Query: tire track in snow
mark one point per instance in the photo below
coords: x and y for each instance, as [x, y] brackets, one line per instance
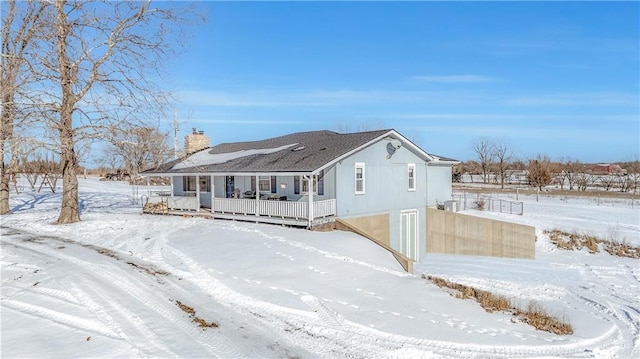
[61, 318]
[109, 289]
[340, 337]
[326, 334]
[616, 300]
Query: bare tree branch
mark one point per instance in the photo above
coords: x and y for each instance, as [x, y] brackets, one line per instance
[19, 25]
[99, 68]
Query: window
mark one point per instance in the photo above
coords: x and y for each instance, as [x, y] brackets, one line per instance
[264, 183]
[360, 188]
[305, 185]
[411, 175]
[189, 183]
[320, 187]
[318, 184]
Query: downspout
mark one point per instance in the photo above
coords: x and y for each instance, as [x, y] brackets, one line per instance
[426, 178]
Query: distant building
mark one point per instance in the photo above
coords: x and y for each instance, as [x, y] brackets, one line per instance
[606, 169]
[196, 141]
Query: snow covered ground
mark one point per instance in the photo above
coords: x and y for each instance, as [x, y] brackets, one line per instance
[109, 287]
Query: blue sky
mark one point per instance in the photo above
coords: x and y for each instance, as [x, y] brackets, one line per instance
[560, 79]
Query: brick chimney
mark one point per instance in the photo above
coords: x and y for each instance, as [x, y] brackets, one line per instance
[196, 141]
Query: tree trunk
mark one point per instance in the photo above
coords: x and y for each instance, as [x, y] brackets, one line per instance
[8, 113]
[69, 211]
[4, 186]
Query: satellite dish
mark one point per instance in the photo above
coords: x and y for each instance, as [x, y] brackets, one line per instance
[391, 149]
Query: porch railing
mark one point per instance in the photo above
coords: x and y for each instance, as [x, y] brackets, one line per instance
[324, 208]
[284, 209]
[181, 203]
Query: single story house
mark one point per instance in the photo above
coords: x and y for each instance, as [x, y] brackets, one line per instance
[379, 180]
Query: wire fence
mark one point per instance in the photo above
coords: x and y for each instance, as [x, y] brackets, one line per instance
[486, 203]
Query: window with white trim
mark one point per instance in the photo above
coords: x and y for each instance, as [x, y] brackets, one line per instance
[305, 185]
[189, 183]
[411, 176]
[264, 183]
[359, 178]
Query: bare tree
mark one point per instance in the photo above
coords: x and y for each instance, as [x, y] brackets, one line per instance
[345, 127]
[19, 24]
[573, 169]
[539, 171]
[607, 181]
[584, 180]
[140, 147]
[484, 150]
[630, 180]
[102, 61]
[502, 155]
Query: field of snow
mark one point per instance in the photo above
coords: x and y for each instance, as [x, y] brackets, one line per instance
[109, 286]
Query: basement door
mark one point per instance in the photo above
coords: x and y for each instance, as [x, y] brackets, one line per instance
[409, 234]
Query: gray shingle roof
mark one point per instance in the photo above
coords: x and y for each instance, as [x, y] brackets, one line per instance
[312, 150]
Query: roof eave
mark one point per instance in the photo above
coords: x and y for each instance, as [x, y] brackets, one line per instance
[231, 173]
[405, 142]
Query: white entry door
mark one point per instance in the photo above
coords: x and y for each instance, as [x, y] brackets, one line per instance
[409, 234]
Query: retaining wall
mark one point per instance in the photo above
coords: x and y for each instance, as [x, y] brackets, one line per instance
[456, 233]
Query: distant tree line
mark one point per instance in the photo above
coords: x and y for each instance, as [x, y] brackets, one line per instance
[495, 163]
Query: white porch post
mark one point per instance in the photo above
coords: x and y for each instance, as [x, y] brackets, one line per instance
[171, 184]
[257, 195]
[213, 192]
[310, 179]
[198, 190]
[148, 187]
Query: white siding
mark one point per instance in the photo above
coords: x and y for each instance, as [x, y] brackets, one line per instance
[385, 182]
[387, 188]
[438, 184]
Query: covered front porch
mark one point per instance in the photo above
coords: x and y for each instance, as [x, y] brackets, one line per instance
[281, 199]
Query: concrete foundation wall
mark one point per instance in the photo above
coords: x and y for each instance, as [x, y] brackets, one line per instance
[343, 225]
[376, 226]
[456, 233]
